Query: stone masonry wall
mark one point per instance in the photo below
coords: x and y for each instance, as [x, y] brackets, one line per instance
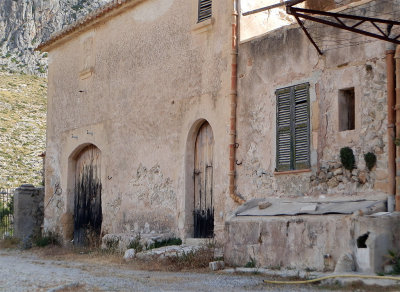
[285, 57]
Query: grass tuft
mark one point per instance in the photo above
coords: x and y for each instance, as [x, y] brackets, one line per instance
[46, 239]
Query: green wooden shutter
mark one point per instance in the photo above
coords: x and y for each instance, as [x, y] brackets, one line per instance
[204, 10]
[301, 127]
[283, 131]
[293, 130]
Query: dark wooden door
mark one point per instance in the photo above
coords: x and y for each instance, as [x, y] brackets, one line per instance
[203, 183]
[87, 200]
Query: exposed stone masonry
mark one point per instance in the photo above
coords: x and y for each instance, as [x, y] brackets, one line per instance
[333, 177]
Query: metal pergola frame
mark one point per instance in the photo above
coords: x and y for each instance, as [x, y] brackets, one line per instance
[335, 20]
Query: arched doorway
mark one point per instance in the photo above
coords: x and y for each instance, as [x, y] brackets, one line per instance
[87, 197]
[203, 183]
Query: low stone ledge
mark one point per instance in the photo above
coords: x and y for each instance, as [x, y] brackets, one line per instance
[167, 252]
[217, 265]
[122, 241]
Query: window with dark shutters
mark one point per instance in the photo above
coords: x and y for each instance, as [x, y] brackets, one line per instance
[204, 10]
[293, 128]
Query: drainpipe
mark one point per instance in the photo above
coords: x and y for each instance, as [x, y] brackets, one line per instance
[397, 109]
[233, 95]
[391, 95]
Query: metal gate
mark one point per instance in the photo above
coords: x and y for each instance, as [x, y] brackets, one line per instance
[87, 201]
[203, 183]
[6, 213]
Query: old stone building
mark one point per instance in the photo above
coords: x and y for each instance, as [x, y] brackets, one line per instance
[163, 120]
[131, 87]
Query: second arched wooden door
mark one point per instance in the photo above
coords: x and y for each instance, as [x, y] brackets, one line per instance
[203, 183]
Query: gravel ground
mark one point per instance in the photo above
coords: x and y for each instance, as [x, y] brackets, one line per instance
[26, 271]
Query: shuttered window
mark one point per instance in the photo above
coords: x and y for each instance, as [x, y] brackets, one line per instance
[204, 10]
[293, 128]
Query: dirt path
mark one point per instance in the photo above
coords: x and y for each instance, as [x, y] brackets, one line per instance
[27, 271]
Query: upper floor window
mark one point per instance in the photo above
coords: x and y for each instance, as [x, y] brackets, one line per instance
[204, 12]
[293, 128]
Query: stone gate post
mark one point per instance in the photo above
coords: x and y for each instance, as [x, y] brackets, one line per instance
[28, 212]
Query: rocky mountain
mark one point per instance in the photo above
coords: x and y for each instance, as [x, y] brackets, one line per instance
[22, 128]
[24, 24]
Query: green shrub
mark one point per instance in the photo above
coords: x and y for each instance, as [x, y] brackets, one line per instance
[77, 7]
[251, 264]
[112, 244]
[347, 158]
[48, 238]
[165, 242]
[135, 244]
[5, 211]
[41, 69]
[394, 260]
[370, 160]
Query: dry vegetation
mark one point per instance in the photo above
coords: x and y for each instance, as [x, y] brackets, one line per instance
[192, 261]
[9, 242]
[22, 128]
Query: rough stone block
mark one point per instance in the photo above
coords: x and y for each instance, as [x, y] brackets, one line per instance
[338, 171]
[337, 165]
[129, 254]
[167, 252]
[333, 183]
[28, 212]
[264, 205]
[362, 177]
[345, 264]
[217, 265]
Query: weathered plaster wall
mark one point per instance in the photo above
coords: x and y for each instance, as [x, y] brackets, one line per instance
[260, 23]
[138, 86]
[263, 22]
[286, 57]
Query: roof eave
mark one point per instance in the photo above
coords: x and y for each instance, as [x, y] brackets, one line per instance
[101, 15]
